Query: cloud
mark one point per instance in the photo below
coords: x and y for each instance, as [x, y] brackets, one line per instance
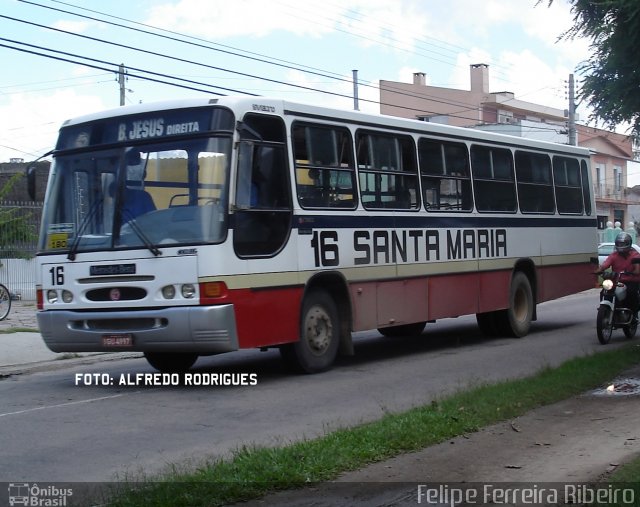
[29, 123]
[395, 25]
[72, 26]
[536, 80]
[547, 25]
[220, 20]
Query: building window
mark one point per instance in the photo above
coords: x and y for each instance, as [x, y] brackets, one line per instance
[617, 178]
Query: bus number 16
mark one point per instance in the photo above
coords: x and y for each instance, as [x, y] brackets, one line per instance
[57, 275]
[325, 248]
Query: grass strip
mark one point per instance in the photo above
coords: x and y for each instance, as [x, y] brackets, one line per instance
[255, 471]
[625, 479]
[19, 330]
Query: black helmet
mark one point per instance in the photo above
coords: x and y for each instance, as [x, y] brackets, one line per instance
[623, 242]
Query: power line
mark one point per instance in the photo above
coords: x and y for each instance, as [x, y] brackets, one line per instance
[208, 44]
[32, 83]
[154, 53]
[202, 46]
[93, 66]
[469, 106]
[384, 24]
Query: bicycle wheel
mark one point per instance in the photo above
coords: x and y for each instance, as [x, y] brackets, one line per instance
[5, 302]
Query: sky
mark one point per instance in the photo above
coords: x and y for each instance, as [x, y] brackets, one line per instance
[302, 50]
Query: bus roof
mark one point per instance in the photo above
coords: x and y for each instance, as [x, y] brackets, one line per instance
[242, 105]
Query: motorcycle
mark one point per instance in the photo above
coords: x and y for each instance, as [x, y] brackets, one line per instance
[612, 311]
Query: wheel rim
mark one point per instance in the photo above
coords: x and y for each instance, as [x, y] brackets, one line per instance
[520, 305]
[318, 330]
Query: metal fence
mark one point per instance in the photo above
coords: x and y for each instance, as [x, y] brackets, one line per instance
[19, 227]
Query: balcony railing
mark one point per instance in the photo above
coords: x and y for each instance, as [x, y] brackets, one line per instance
[609, 192]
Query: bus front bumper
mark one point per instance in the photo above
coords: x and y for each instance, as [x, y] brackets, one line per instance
[199, 329]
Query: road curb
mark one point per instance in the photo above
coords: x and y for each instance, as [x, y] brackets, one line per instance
[65, 362]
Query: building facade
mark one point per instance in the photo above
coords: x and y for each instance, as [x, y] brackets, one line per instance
[502, 112]
[610, 155]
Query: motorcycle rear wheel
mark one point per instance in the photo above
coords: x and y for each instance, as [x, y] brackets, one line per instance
[604, 324]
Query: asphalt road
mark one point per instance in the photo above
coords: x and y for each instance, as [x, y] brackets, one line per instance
[56, 427]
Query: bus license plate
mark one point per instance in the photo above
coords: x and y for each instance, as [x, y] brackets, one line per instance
[117, 340]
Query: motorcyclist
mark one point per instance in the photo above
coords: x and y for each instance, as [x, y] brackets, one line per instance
[620, 261]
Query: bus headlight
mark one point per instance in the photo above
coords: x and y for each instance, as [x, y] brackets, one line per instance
[67, 296]
[188, 291]
[168, 292]
[52, 296]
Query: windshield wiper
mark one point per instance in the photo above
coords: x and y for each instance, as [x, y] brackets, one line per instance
[83, 225]
[145, 239]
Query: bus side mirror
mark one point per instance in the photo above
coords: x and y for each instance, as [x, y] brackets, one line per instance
[31, 182]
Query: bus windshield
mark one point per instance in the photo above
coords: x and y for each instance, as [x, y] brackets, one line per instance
[142, 195]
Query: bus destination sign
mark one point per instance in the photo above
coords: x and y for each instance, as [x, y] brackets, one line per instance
[144, 127]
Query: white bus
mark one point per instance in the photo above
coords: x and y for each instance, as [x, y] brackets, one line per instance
[193, 228]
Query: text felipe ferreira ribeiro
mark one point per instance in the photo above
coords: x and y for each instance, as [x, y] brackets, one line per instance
[166, 379]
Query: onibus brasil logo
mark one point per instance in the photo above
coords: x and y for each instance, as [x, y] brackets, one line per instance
[24, 493]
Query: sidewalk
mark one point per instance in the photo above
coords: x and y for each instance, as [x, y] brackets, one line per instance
[24, 350]
[563, 447]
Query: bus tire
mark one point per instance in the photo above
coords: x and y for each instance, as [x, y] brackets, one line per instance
[317, 347]
[414, 329]
[169, 362]
[516, 320]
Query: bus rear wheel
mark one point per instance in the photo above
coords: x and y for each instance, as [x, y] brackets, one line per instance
[169, 362]
[319, 335]
[516, 320]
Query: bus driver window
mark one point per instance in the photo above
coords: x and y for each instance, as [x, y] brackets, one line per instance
[136, 200]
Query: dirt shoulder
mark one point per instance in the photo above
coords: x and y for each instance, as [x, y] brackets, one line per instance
[577, 440]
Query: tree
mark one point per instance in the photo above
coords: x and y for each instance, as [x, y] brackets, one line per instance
[610, 78]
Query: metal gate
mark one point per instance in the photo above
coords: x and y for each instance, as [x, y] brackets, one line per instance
[19, 228]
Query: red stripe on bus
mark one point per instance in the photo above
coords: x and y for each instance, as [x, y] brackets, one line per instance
[558, 281]
[268, 317]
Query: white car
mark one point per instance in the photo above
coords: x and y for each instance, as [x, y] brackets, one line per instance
[606, 249]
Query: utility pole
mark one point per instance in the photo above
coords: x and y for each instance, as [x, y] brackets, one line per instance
[355, 90]
[572, 112]
[121, 79]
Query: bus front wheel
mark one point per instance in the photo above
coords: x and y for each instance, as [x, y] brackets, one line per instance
[169, 362]
[317, 347]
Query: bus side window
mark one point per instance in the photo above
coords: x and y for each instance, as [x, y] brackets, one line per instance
[387, 171]
[493, 179]
[584, 172]
[535, 184]
[444, 170]
[569, 191]
[325, 174]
